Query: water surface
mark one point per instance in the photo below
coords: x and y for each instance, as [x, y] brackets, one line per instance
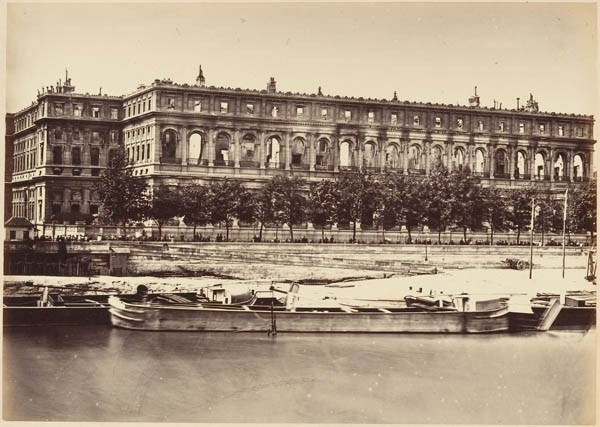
[107, 374]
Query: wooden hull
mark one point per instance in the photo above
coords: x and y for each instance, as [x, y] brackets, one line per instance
[173, 318]
[38, 316]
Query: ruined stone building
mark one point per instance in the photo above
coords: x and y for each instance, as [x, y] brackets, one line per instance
[175, 134]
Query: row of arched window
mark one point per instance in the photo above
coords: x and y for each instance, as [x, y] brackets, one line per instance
[326, 157]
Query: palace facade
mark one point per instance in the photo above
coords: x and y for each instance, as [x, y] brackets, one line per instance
[175, 134]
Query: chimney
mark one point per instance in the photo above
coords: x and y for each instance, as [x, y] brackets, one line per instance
[272, 85]
[518, 99]
[474, 100]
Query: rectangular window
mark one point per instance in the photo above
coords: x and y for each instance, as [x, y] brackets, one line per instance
[561, 130]
[580, 131]
[76, 135]
[13, 235]
[171, 103]
[416, 120]
[76, 155]
[57, 155]
[521, 127]
[114, 113]
[348, 115]
[75, 208]
[459, 123]
[77, 110]
[94, 209]
[94, 156]
[129, 111]
[58, 109]
[438, 122]
[501, 126]
[56, 208]
[324, 113]
[394, 119]
[95, 112]
[197, 106]
[370, 117]
[299, 111]
[95, 136]
[224, 107]
[249, 108]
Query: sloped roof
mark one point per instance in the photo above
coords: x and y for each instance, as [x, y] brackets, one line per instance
[18, 221]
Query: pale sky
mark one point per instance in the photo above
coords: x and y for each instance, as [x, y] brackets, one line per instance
[427, 52]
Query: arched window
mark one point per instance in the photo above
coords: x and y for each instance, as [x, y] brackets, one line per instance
[391, 157]
[196, 149]
[559, 167]
[298, 151]
[500, 164]
[169, 144]
[414, 157]
[345, 156]
[520, 166]
[578, 167]
[248, 149]
[323, 156]
[479, 161]
[273, 150]
[369, 155]
[222, 154]
[437, 155]
[540, 169]
[459, 158]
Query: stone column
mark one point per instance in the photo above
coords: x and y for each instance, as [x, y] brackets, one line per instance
[184, 145]
[450, 157]
[311, 151]
[382, 145]
[550, 163]
[287, 153]
[491, 154]
[236, 145]
[261, 150]
[157, 144]
[404, 147]
[211, 147]
[571, 165]
[359, 154]
[335, 154]
[511, 156]
[532, 171]
[427, 154]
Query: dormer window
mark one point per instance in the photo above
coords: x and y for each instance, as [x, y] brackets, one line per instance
[347, 115]
[521, 127]
[561, 130]
[394, 119]
[416, 121]
[224, 107]
[438, 122]
[459, 123]
[324, 113]
[299, 111]
[249, 108]
[370, 117]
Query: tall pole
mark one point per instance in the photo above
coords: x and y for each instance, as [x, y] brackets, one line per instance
[564, 232]
[531, 237]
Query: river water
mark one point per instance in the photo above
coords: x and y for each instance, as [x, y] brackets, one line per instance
[99, 373]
